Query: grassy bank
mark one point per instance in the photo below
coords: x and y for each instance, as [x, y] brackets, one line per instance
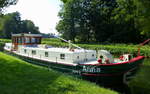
[19, 77]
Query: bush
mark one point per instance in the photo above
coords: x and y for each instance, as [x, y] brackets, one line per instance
[114, 48]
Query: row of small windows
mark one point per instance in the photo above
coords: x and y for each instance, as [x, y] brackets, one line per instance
[62, 56]
[26, 40]
[78, 56]
[33, 52]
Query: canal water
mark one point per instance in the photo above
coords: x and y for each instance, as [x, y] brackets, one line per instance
[126, 88]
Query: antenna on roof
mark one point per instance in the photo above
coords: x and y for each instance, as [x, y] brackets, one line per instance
[69, 42]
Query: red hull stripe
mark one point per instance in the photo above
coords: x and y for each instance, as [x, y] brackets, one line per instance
[131, 61]
[87, 74]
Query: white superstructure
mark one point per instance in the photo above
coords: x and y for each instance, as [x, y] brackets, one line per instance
[63, 55]
[29, 45]
[52, 54]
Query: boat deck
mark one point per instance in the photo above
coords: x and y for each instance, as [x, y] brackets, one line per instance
[94, 61]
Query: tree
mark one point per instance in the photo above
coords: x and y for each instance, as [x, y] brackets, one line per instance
[28, 26]
[126, 19]
[66, 26]
[86, 20]
[6, 3]
[100, 12]
[3, 4]
[11, 23]
[119, 21]
[143, 16]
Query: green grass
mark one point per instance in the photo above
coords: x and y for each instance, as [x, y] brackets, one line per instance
[19, 77]
[141, 83]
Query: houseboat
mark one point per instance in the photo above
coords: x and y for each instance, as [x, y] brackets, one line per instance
[98, 66]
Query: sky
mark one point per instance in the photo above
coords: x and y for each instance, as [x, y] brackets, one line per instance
[44, 13]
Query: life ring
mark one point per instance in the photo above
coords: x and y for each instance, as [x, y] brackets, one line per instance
[99, 61]
[105, 56]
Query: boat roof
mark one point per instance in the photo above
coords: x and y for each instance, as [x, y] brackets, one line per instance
[29, 35]
[61, 50]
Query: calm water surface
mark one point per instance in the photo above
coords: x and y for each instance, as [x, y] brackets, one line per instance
[124, 88]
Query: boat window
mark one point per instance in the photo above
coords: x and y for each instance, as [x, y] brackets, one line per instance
[33, 40]
[62, 56]
[92, 55]
[22, 40]
[27, 40]
[25, 51]
[33, 52]
[46, 54]
[101, 57]
[37, 40]
[19, 40]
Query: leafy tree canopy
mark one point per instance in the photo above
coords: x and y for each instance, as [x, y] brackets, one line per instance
[6, 3]
[121, 21]
[12, 23]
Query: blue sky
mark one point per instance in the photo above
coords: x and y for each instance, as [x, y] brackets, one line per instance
[44, 13]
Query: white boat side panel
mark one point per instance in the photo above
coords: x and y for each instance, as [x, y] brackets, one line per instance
[54, 54]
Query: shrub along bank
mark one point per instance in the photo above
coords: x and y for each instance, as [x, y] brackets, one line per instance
[2, 43]
[113, 48]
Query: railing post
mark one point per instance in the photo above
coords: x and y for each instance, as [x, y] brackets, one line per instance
[56, 59]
